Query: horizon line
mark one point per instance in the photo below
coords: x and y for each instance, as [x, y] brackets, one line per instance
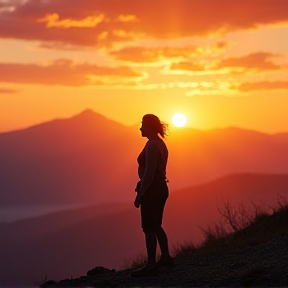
[21, 128]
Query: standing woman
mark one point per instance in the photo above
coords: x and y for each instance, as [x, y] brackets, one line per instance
[152, 193]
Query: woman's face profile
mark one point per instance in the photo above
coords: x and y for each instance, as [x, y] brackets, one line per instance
[144, 129]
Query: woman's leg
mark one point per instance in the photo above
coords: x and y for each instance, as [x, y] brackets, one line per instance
[163, 241]
[151, 245]
[150, 269]
[148, 223]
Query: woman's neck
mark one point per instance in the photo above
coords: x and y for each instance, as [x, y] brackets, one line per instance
[153, 137]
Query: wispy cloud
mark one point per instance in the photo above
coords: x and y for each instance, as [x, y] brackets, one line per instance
[147, 55]
[264, 85]
[7, 90]
[104, 23]
[260, 61]
[255, 62]
[67, 73]
[157, 54]
[53, 20]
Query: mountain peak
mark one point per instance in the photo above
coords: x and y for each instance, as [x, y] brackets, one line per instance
[90, 117]
[87, 112]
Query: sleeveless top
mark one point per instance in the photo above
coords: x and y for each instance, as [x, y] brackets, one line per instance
[152, 162]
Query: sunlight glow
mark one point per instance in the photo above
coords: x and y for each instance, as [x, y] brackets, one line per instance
[179, 120]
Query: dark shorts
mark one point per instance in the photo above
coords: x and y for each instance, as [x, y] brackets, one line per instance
[152, 205]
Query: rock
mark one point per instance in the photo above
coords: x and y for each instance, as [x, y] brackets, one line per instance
[237, 265]
[48, 283]
[99, 270]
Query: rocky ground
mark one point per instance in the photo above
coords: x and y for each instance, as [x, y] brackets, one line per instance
[264, 265]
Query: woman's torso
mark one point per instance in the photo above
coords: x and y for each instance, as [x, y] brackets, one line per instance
[162, 158]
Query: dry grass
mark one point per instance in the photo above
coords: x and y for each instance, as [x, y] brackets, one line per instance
[137, 262]
[42, 281]
[239, 226]
[182, 250]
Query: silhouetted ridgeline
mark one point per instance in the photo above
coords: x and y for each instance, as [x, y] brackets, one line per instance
[91, 159]
[256, 255]
[72, 242]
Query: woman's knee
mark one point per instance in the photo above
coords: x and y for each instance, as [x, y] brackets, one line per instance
[158, 229]
[148, 230]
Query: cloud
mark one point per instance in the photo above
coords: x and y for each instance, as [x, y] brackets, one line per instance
[66, 72]
[144, 55]
[8, 5]
[255, 62]
[260, 61]
[187, 66]
[138, 54]
[7, 90]
[264, 85]
[101, 23]
[58, 46]
[52, 20]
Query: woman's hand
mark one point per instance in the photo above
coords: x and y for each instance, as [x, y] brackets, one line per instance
[138, 186]
[137, 201]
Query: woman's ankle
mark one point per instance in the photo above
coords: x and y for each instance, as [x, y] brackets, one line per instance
[151, 264]
[165, 256]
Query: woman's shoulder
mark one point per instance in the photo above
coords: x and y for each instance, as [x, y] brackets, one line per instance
[155, 143]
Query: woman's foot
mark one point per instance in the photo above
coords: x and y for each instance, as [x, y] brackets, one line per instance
[166, 262]
[146, 271]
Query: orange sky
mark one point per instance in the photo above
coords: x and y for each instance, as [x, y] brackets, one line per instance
[222, 63]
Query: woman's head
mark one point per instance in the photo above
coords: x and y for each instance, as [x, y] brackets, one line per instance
[152, 124]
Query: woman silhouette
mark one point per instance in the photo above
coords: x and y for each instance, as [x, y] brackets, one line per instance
[152, 193]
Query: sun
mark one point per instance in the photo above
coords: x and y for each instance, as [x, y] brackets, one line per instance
[179, 120]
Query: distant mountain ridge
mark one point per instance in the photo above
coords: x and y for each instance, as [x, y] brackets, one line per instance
[91, 159]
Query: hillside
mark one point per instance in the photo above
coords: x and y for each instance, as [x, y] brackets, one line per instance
[67, 161]
[89, 159]
[107, 235]
[253, 256]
